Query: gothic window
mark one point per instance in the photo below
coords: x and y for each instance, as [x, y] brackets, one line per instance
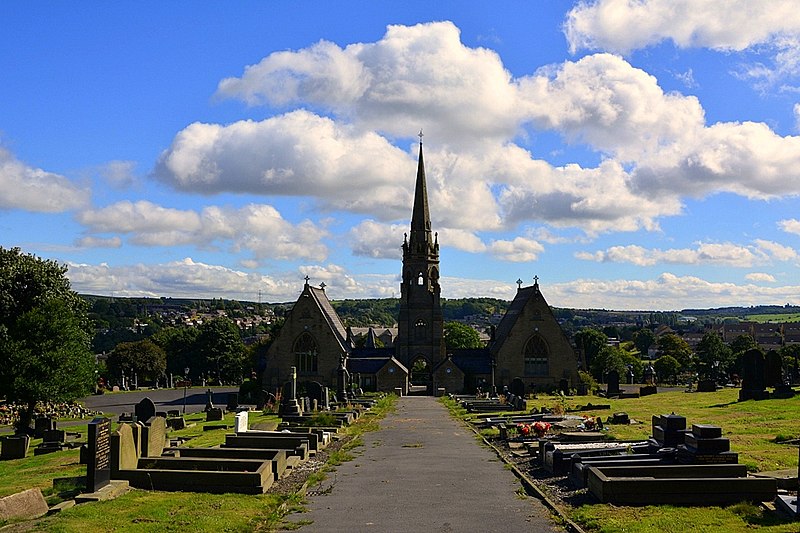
[420, 279]
[536, 357]
[306, 354]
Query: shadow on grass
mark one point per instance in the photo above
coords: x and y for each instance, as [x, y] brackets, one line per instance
[734, 402]
[756, 516]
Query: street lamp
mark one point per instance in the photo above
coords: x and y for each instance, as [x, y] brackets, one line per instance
[185, 386]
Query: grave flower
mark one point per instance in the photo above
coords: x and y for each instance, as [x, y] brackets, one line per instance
[540, 428]
[524, 429]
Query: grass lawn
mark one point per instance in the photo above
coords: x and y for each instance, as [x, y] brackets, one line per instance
[148, 511]
[755, 430]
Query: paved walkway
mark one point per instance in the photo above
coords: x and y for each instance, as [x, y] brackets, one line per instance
[424, 471]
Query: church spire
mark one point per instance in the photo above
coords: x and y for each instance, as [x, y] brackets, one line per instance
[420, 216]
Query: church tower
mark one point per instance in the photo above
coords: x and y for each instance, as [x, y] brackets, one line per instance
[420, 327]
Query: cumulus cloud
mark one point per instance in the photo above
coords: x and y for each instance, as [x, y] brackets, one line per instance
[518, 250]
[258, 228]
[623, 26]
[760, 276]
[790, 225]
[727, 254]
[33, 189]
[413, 76]
[667, 292]
[118, 174]
[98, 242]
[376, 240]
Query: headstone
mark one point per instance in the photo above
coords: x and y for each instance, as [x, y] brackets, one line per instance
[563, 386]
[613, 382]
[124, 453]
[98, 465]
[242, 422]
[209, 401]
[289, 405]
[773, 374]
[214, 415]
[15, 447]
[26, 504]
[55, 435]
[154, 437]
[326, 402]
[753, 376]
[174, 412]
[145, 409]
[620, 418]
[518, 387]
[176, 423]
[233, 401]
[315, 390]
[706, 385]
[42, 424]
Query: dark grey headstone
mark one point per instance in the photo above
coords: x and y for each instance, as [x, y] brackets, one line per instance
[55, 435]
[613, 382]
[315, 391]
[145, 410]
[518, 387]
[563, 386]
[98, 466]
[773, 374]
[42, 424]
[233, 401]
[15, 447]
[214, 414]
[753, 370]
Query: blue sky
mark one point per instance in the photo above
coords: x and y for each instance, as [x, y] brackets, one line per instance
[633, 155]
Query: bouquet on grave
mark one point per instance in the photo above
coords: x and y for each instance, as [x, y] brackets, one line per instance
[524, 429]
[540, 428]
[589, 423]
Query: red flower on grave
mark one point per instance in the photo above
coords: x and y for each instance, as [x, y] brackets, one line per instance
[540, 428]
[524, 429]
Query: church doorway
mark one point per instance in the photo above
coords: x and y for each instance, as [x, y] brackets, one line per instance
[421, 377]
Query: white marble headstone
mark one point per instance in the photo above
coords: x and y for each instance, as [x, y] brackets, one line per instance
[242, 422]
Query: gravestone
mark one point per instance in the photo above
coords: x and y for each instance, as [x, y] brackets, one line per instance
[98, 464]
[145, 410]
[233, 401]
[773, 375]
[289, 405]
[753, 370]
[15, 447]
[706, 385]
[315, 391]
[42, 424]
[326, 402]
[214, 415]
[209, 401]
[242, 422]
[58, 436]
[26, 504]
[563, 386]
[613, 382]
[517, 387]
[124, 452]
[154, 437]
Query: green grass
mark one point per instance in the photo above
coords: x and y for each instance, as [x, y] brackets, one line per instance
[147, 511]
[755, 430]
[783, 317]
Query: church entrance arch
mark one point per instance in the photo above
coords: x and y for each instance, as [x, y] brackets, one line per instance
[421, 376]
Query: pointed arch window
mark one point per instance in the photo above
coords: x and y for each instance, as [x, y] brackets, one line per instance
[537, 356]
[420, 279]
[306, 354]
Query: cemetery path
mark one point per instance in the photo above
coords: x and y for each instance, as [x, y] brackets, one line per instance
[423, 471]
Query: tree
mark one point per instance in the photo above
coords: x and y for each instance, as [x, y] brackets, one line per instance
[180, 347]
[739, 346]
[221, 350]
[607, 359]
[145, 358]
[674, 346]
[667, 368]
[591, 342]
[712, 352]
[790, 354]
[458, 335]
[643, 340]
[45, 357]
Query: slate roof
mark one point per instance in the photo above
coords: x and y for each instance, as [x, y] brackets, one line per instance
[371, 365]
[473, 360]
[512, 314]
[330, 315]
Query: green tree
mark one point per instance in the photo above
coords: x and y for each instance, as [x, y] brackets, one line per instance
[643, 340]
[591, 342]
[667, 368]
[44, 334]
[179, 343]
[674, 346]
[145, 358]
[712, 353]
[607, 359]
[458, 335]
[739, 346]
[221, 350]
[791, 355]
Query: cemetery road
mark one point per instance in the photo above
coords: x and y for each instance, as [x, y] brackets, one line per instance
[423, 471]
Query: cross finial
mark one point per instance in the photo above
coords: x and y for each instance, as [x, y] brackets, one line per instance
[307, 278]
[519, 284]
[322, 285]
[420, 135]
[535, 280]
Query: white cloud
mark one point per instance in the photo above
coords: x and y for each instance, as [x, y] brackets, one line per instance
[33, 189]
[376, 240]
[258, 228]
[727, 254]
[99, 242]
[518, 250]
[724, 25]
[791, 225]
[119, 174]
[667, 292]
[623, 25]
[414, 76]
[760, 276]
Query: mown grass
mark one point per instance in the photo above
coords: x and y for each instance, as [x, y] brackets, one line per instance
[755, 430]
[146, 511]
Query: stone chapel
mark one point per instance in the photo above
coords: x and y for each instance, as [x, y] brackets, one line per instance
[528, 350]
